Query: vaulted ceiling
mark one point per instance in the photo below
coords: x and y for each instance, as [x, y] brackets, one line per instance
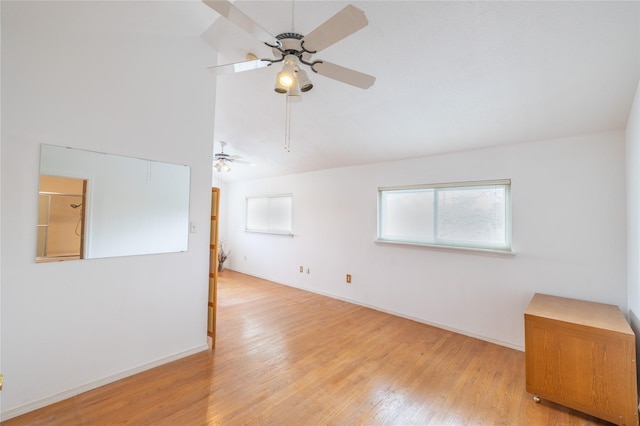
[451, 76]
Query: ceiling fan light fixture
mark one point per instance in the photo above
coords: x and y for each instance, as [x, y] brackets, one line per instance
[222, 166]
[303, 81]
[279, 88]
[294, 94]
[294, 90]
[286, 77]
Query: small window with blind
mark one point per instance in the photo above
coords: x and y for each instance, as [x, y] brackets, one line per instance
[473, 215]
[269, 214]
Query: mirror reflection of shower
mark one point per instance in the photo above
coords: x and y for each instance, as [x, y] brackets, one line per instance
[60, 218]
[79, 224]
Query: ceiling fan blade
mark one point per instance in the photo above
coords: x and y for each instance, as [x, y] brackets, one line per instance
[239, 67]
[248, 163]
[346, 22]
[345, 75]
[238, 17]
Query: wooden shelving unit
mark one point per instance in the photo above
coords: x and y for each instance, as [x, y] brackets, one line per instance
[213, 267]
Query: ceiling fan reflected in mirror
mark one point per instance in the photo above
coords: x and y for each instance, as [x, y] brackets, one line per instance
[223, 160]
[295, 50]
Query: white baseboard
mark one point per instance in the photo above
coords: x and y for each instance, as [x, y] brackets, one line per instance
[398, 314]
[420, 320]
[15, 412]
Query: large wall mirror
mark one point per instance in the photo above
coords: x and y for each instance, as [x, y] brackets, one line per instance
[93, 205]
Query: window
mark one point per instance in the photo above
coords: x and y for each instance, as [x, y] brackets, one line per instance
[469, 214]
[271, 214]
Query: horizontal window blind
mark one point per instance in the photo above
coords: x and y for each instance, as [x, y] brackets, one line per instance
[465, 214]
[270, 214]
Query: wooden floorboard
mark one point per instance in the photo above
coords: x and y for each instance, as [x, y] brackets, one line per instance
[285, 356]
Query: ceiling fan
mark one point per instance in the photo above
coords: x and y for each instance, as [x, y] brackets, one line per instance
[222, 160]
[295, 50]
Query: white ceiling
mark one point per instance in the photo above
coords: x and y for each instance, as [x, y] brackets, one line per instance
[450, 76]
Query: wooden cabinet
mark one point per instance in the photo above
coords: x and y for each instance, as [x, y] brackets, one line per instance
[213, 267]
[582, 355]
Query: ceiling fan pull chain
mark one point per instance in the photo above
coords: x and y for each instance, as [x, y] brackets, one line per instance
[287, 125]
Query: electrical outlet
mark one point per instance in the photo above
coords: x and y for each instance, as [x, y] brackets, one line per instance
[308, 270]
[301, 269]
[348, 278]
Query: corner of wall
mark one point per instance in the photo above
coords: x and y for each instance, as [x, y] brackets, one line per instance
[632, 159]
[635, 326]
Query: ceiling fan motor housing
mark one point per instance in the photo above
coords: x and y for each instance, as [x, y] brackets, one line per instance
[291, 44]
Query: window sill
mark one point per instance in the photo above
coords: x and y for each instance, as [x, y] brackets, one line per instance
[285, 233]
[507, 253]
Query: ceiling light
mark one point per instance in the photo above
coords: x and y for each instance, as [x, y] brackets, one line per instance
[286, 77]
[294, 94]
[303, 81]
[280, 88]
[222, 166]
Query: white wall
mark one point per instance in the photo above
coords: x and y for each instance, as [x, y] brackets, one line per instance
[568, 200]
[632, 155]
[67, 79]
[1, 370]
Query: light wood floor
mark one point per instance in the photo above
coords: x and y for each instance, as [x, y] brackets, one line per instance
[288, 357]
